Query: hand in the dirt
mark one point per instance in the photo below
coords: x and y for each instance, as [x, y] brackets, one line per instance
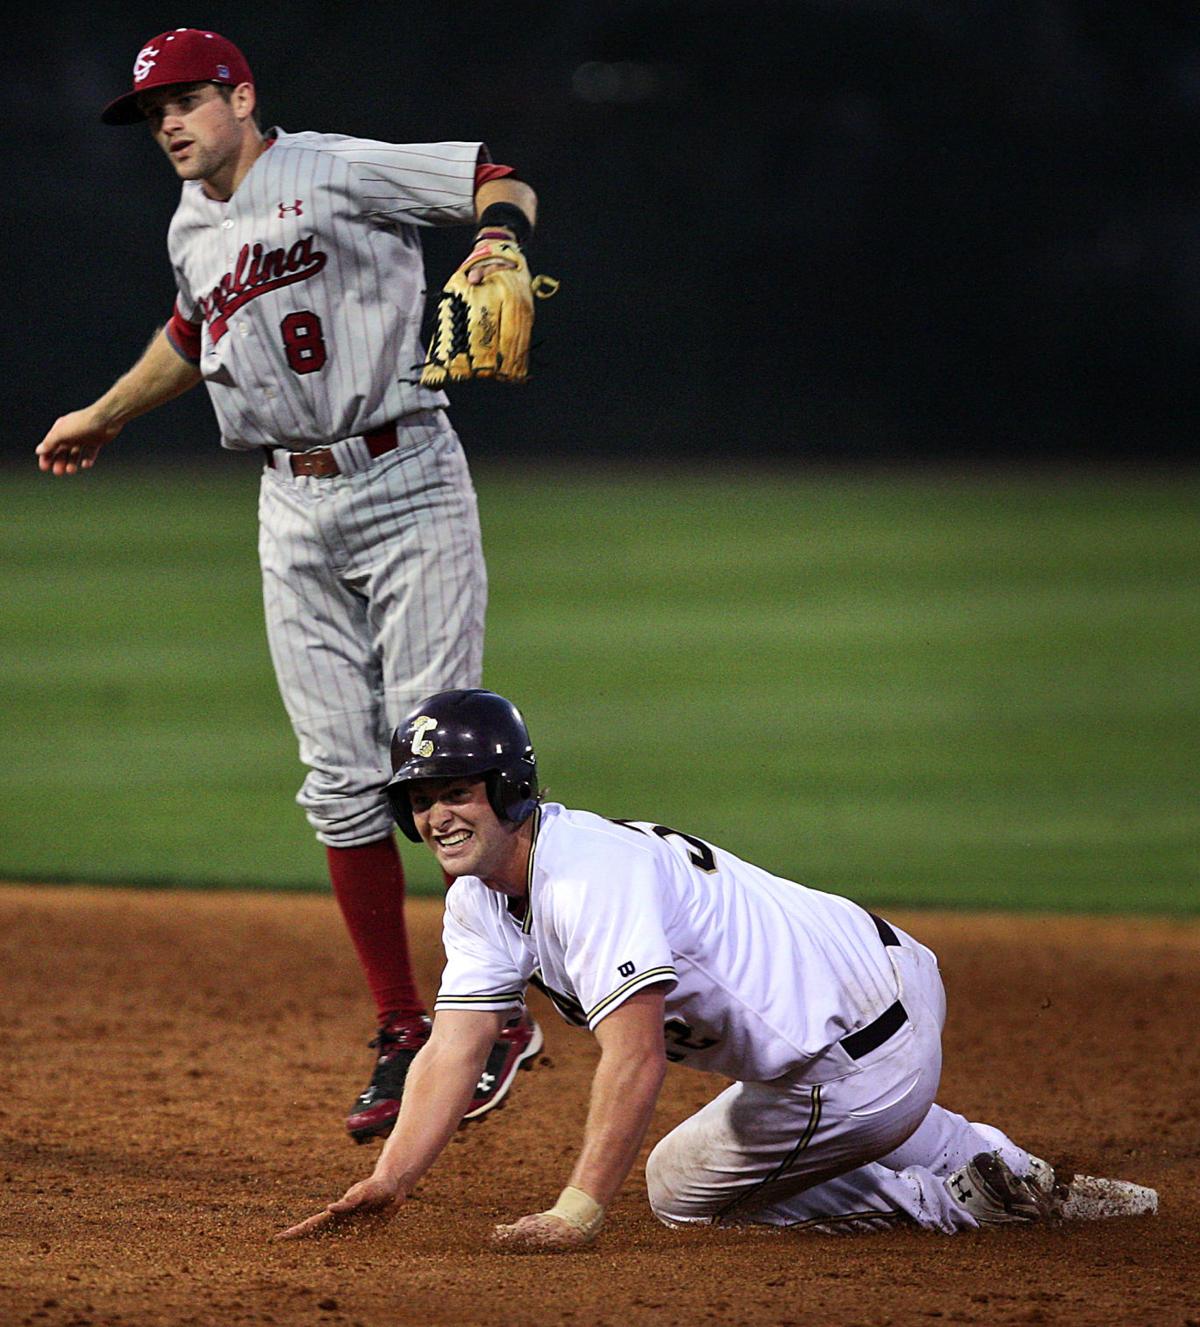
[367, 1201]
[540, 1233]
[73, 443]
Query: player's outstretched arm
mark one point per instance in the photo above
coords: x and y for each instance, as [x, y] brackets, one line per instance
[625, 1090]
[437, 1092]
[511, 193]
[74, 441]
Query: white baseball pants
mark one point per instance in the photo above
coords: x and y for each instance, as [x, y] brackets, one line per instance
[860, 1152]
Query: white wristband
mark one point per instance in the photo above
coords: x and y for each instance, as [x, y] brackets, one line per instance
[577, 1209]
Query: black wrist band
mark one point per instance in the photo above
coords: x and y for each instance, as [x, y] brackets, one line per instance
[510, 216]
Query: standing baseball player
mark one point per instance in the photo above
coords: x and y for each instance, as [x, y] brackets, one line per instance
[298, 264]
[669, 948]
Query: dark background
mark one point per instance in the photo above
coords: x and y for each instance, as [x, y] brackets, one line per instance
[824, 230]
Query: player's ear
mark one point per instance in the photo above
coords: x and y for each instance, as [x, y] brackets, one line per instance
[243, 100]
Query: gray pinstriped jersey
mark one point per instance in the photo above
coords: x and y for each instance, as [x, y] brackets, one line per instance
[310, 284]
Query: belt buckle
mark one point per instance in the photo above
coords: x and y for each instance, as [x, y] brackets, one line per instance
[320, 463]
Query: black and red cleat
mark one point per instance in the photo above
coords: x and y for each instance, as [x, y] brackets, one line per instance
[520, 1040]
[376, 1107]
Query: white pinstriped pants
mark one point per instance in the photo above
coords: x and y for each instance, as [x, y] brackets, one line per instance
[374, 591]
[856, 1153]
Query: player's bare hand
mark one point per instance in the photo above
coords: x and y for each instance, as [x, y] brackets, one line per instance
[367, 1202]
[476, 275]
[73, 443]
[540, 1233]
[478, 265]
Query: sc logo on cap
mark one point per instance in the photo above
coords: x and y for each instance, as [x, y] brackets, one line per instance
[144, 62]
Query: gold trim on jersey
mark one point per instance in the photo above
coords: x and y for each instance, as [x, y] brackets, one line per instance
[502, 997]
[527, 920]
[642, 979]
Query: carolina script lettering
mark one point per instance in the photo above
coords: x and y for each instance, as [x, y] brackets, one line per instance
[257, 271]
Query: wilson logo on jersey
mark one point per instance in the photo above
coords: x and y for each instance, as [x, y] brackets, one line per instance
[256, 272]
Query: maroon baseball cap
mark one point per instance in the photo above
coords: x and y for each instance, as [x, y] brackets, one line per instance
[183, 55]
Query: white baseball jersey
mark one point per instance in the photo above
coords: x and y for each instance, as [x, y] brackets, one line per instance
[764, 976]
[310, 284]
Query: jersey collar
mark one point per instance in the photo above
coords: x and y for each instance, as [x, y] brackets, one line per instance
[525, 919]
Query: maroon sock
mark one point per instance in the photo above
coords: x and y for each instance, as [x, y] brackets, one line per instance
[368, 883]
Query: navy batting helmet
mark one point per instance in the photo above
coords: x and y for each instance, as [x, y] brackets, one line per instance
[465, 732]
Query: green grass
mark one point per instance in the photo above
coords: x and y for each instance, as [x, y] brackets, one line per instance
[916, 689]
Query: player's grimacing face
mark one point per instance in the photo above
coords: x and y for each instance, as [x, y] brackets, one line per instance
[455, 819]
[196, 126]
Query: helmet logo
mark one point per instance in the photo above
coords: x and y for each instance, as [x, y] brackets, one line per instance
[420, 727]
[144, 63]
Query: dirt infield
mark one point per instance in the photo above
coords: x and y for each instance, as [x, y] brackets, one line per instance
[175, 1067]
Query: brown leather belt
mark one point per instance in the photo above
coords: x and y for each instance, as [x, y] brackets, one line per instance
[321, 462]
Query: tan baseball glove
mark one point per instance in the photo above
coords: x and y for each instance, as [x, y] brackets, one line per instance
[483, 327]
